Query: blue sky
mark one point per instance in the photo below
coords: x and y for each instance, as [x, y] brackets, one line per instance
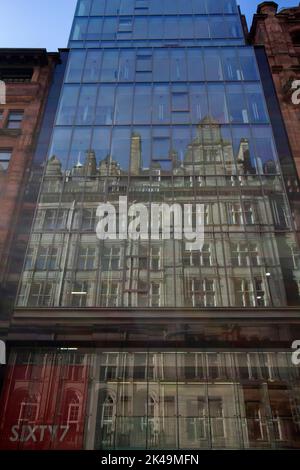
[47, 23]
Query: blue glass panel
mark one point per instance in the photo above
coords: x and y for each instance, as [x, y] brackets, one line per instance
[201, 28]
[213, 64]
[195, 65]
[85, 114]
[112, 7]
[123, 106]
[142, 104]
[161, 69]
[248, 64]
[81, 142]
[217, 103]
[101, 142]
[199, 7]
[92, 66]
[75, 66]
[244, 150]
[94, 29]
[105, 105]
[120, 147]
[145, 140]
[178, 65]
[83, 7]
[68, 105]
[256, 103]
[265, 150]
[127, 65]
[161, 105]
[60, 145]
[231, 64]
[198, 103]
[79, 29]
[98, 7]
[109, 71]
[237, 106]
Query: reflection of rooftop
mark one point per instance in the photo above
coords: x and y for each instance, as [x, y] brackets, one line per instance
[207, 154]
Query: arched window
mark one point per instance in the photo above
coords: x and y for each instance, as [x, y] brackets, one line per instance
[153, 421]
[108, 416]
[29, 410]
[72, 408]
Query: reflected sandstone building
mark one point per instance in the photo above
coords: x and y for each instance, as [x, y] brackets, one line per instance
[145, 344]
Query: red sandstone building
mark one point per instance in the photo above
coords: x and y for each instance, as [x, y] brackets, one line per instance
[279, 32]
[27, 74]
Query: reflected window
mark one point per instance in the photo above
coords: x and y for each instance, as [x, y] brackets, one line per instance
[14, 120]
[155, 258]
[201, 293]
[88, 219]
[40, 294]
[196, 420]
[29, 262]
[80, 291]
[54, 219]
[47, 258]
[260, 292]
[110, 294]
[108, 416]
[155, 294]
[111, 258]
[217, 420]
[109, 366]
[5, 156]
[244, 293]
[86, 258]
[256, 421]
[29, 411]
[241, 214]
[245, 254]
[125, 23]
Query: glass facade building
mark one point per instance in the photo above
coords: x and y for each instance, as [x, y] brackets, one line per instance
[162, 102]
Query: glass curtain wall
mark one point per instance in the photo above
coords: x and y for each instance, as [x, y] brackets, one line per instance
[162, 102]
[150, 400]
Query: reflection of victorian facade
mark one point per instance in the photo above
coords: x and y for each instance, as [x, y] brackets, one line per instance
[73, 268]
